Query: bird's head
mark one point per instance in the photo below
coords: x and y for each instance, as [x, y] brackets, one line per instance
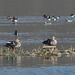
[53, 37]
[17, 40]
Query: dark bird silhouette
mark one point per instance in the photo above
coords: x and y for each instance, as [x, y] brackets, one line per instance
[45, 16]
[16, 33]
[72, 15]
[50, 42]
[14, 20]
[13, 44]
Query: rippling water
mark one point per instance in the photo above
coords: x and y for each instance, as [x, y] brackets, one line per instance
[33, 30]
[38, 71]
[37, 65]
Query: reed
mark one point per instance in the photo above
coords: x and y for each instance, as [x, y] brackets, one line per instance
[35, 52]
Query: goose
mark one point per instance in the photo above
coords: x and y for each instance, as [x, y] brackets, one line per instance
[13, 44]
[50, 42]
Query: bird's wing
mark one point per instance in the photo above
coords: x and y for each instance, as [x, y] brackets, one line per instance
[49, 40]
[11, 43]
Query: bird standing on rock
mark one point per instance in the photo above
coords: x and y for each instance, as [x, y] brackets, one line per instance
[50, 42]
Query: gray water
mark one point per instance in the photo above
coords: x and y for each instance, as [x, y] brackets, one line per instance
[36, 7]
[63, 70]
[32, 31]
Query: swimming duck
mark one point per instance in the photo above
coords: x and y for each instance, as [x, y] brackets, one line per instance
[50, 42]
[53, 18]
[72, 15]
[14, 20]
[16, 33]
[13, 44]
[68, 20]
[9, 18]
[45, 16]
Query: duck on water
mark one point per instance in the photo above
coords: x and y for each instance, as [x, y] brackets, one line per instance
[13, 19]
[50, 42]
[72, 15]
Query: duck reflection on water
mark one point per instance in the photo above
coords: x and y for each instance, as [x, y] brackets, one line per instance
[51, 59]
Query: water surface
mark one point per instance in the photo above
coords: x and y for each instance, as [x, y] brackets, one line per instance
[32, 31]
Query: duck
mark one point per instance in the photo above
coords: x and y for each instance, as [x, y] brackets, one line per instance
[13, 44]
[53, 18]
[9, 18]
[14, 20]
[50, 42]
[57, 17]
[45, 16]
[68, 20]
[72, 15]
[16, 33]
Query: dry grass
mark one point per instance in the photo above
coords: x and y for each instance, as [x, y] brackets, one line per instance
[45, 53]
